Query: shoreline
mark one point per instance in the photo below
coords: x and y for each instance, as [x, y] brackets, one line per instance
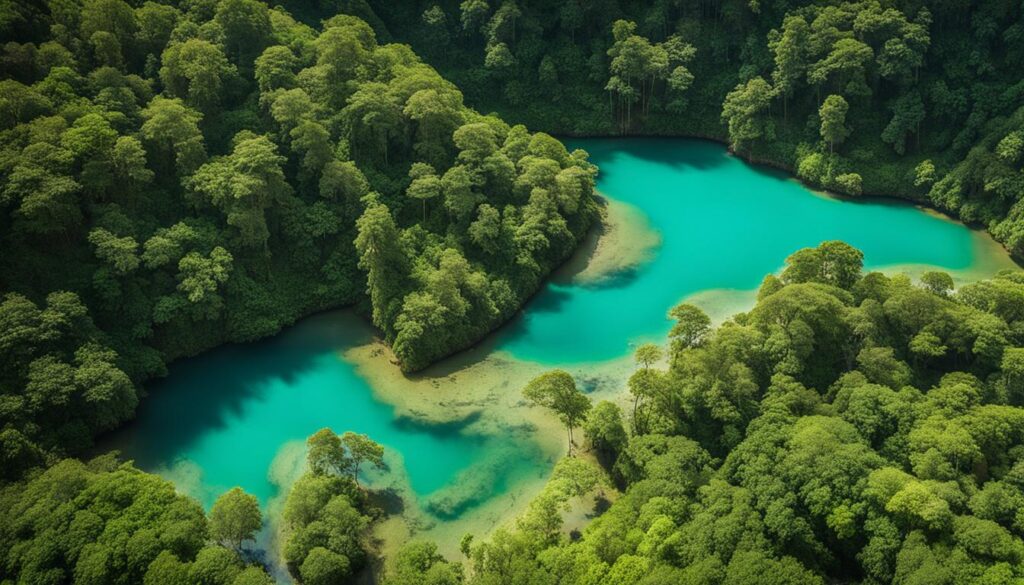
[752, 159]
[482, 380]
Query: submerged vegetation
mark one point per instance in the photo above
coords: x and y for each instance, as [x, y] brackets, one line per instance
[848, 428]
[175, 175]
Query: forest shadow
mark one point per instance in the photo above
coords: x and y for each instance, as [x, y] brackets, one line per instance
[677, 153]
[203, 392]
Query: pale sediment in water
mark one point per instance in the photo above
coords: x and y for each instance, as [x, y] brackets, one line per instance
[721, 304]
[691, 224]
[288, 466]
[622, 241]
[991, 258]
[482, 390]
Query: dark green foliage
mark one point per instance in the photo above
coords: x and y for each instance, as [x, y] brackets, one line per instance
[848, 429]
[853, 95]
[177, 175]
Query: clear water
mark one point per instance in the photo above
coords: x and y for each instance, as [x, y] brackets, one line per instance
[227, 414]
[724, 224]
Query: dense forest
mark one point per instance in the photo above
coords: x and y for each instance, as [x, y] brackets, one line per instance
[178, 174]
[174, 177]
[848, 429]
[903, 97]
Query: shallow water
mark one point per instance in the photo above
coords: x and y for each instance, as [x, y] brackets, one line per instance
[724, 224]
[237, 415]
[221, 419]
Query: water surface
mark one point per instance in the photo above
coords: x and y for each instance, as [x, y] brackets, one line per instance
[724, 224]
[228, 417]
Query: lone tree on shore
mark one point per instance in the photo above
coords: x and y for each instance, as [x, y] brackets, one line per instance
[556, 391]
[344, 455]
[361, 449]
[235, 517]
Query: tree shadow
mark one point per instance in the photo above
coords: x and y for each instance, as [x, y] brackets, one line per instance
[389, 501]
[205, 392]
[678, 153]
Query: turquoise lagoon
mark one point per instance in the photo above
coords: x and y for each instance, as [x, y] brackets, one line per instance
[233, 415]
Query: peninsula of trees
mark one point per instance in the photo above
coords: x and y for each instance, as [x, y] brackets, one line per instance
[177, 175]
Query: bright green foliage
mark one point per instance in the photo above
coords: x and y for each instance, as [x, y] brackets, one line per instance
[833, 120]
[745, 111]
[604, 428]
[196, 71]
[691, 326]
[835, 263]
[109, 523]
[361, 449]
[235, 517]
[556, 391]
[324, 511]
[418, 563]
[806, 441]
[636, 66]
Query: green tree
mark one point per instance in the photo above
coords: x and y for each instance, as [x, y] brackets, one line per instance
[381, 256]
[604, 428]
[691, 327]
[418, 562]
[746, 112]
[243, 185]
[235, 517]
[173, 129]
[425, 184]
[196, 71]
[556, 391]
[275, 69]
[324, 567]
[790, 49]
[326, 453]
[246, 27]
[361, 449]
[833, 120]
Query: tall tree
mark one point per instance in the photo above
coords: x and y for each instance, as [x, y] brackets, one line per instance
[746, 112]
[235, 517]
[833, 120]
[556, 391]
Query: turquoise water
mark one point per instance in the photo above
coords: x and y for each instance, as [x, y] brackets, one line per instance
[724, 225]
[226, 414]
[219, 420]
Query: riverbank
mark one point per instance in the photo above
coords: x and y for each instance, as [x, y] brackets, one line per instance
[621, 241]
[763, 158]
[466, 452]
